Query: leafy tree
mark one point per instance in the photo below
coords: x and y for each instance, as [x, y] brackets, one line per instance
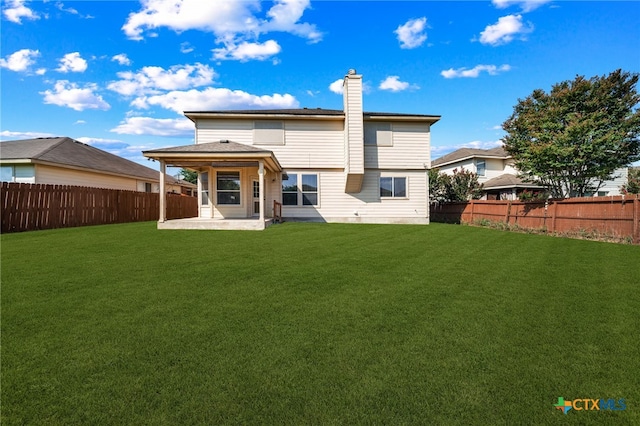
[572, 139]
[189, 175]
[461, 186]
[633, 184]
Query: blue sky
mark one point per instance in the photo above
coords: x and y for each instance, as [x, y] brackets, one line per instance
[118, 74]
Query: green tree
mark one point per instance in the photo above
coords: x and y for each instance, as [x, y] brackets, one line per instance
[189, 175]
[573, 139]
[462, 185]
[633, 184]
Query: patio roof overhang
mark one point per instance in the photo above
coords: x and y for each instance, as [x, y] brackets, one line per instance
[215, 154]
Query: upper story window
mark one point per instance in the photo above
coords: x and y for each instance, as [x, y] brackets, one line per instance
[268, 132]
[379, 134]
[481, 167]
[22, 173]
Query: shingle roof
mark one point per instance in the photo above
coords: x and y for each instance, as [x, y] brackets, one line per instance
[68, 152]
[217, 147]
[508, 181]
[309, 112]
[465, 153]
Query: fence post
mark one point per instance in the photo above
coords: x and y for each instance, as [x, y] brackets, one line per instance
[636, 220]
[471, 218]
[506, 216]
[554, 204]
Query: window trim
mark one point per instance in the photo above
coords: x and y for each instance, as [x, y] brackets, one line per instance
[268, 132]
[372, 129]
[239, 190]
[484, 167]
[393, 187]
[300, 192]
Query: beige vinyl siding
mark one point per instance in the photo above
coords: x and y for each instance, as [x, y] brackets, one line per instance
[308, 143]
[410, 148]
[354, 127]
[240, 131]
[62, 176]
[337, 206]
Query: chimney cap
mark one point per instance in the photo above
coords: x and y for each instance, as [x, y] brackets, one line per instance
[352, 71]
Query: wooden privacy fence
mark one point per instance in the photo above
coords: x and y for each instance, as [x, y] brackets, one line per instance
[26, 207]
[617, 216]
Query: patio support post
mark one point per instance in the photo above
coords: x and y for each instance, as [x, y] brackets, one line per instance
[163, 193]
[261, 184]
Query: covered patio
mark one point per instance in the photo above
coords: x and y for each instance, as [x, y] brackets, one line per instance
[238, 185]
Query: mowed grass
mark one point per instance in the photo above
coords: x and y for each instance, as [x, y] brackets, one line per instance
[316, 324]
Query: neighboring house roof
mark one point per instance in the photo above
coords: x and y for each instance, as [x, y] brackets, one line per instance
[468, 153]
[306, 113]
[70, 153]
[507, 181]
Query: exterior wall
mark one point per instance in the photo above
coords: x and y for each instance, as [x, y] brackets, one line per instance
[245, 208]
[612, 187]
[307, 143]
[466, 165]
[354, 124]
[334, 205]
[62, 176]
[410, 148]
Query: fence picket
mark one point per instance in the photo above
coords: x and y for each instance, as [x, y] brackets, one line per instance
[26, 206]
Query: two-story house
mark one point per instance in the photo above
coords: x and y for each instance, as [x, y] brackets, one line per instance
[499, 177]
[315, 164]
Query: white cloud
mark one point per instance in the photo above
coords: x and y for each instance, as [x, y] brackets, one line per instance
[152, 80]
[214, 99]
[235, 23]
[72, 62]
[393, 84]
[525, 5]
[155, 126]
[80, 122]
[337, 86]
[186, 47]
[20, 60]
[122, 59]
[41, 71]
[475, 71]
[412, 33]
[9, 135]
[70, 95]
[246, 51]
[16, 10]
[505, 30]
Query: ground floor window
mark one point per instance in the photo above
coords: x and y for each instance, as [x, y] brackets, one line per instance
[23, 173]
[228, 187]
[300, 189]
[393, 187]
[204, 188]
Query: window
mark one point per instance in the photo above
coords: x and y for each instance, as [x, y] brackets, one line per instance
[481, 167]
[268, 132]
[147, 187]
[204, 188]
[309, 190]
[379, 134]
[290, 190]
[23, 173]
[294, 194]
[228, 187]
[393, 187]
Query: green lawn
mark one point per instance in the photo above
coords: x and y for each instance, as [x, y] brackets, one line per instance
[316, 324]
